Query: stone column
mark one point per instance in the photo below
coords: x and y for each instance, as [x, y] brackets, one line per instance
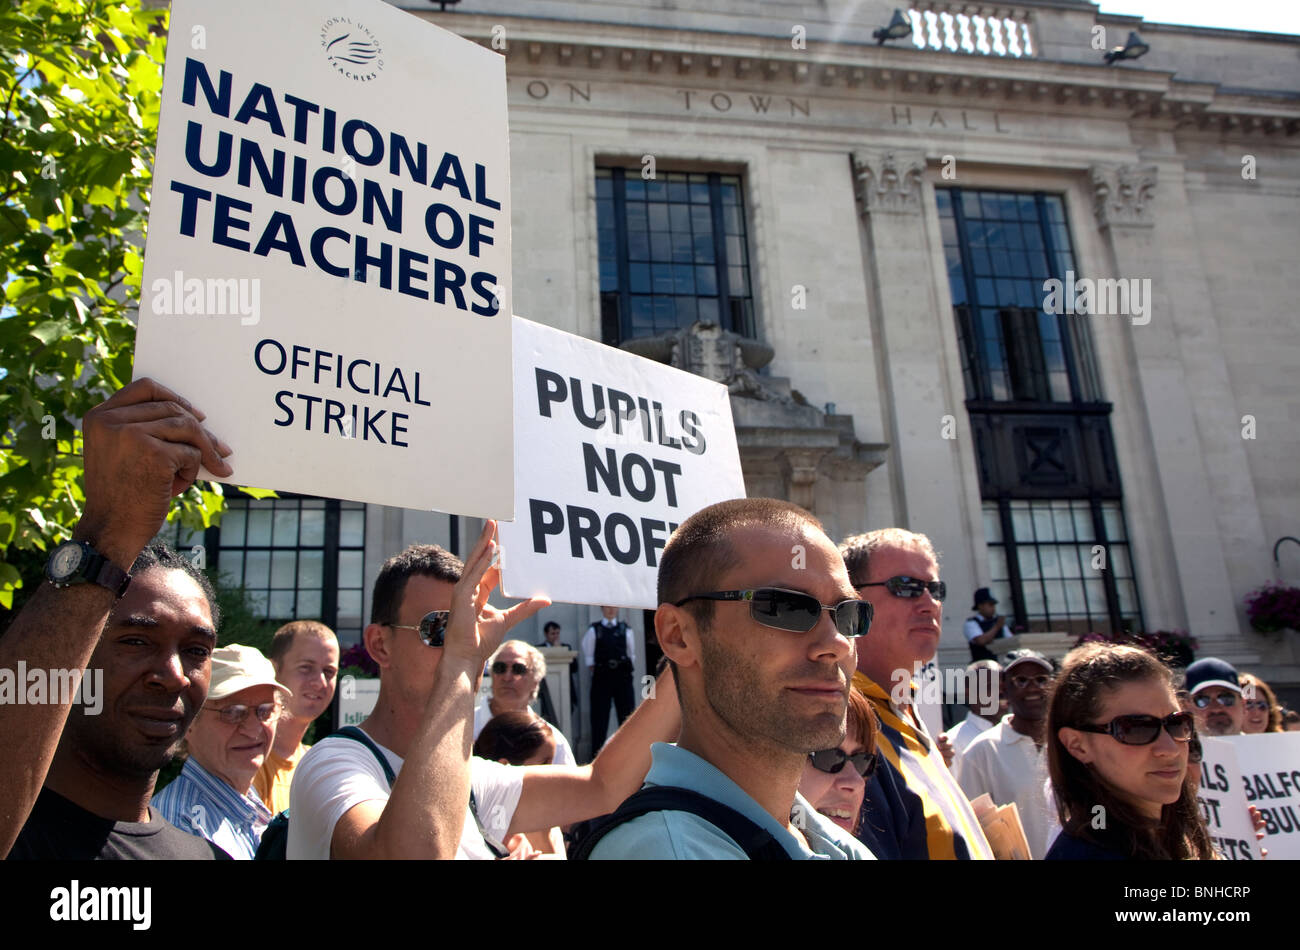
[933, 478]
[1209, 509]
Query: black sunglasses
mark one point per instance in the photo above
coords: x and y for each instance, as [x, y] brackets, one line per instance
[499, 668]
[432, 627]
[1223, 699]
[832, 761]
[904, 586]
[795, 611]
[1144, 730]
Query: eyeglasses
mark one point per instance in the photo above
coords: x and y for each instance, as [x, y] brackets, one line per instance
[1260, 705]
[1223, 699]
[908, 587]
[1194, 751]
[794, 610]
[1042, 680]
[1144, 730]
[432, 627]
[832, 761]
[235, 715]
[499, 668]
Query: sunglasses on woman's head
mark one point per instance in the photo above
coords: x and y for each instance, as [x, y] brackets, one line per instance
[908, 587]
[794, 610]
[1144, 730]
[431, 628]
[832, 761]
[499, 668]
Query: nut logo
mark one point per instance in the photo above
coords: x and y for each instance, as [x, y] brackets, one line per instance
[351, 49]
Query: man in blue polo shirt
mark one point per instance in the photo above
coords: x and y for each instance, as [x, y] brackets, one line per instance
[757, 619]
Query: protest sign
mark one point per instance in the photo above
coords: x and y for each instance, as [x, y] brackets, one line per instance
[1222, 797]
[616, 451]
[328, 251]
[1270, 776]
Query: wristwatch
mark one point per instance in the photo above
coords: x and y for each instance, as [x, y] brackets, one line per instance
[76, 562]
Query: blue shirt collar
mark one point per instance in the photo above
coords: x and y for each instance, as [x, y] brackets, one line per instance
[672, 765]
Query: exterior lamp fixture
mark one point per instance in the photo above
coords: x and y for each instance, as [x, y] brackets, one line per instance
[898, 28]
[1134, 48]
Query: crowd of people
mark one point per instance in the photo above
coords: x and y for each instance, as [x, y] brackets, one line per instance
[783, 724]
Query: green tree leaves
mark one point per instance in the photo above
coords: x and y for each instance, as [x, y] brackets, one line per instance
[80, 86]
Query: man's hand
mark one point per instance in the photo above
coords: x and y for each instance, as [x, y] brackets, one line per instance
[475, 628]
[143, 446]
[946, 749]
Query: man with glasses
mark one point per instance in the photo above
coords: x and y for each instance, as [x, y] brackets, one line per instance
[406, 785]
[757, 620]
[229, 741]
[1006, 762]
[1216, 697]
[914, 807]
[517, 672]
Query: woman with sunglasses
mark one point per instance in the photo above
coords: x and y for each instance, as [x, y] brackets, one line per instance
[835, 780]
[1118, 742]
[1262, 712]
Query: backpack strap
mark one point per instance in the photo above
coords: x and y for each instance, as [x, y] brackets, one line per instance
[757, 843]
[498, 849]
[352, 732]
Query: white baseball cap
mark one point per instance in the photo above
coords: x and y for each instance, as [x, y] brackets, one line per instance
[237, 667]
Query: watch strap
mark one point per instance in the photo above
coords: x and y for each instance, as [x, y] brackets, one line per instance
[100, 570]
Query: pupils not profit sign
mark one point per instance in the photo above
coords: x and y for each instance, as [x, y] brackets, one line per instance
[614, 451]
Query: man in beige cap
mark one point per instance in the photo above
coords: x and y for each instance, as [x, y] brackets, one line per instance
[228, 742]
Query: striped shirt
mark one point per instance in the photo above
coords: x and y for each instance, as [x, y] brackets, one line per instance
[204, 805]
[914, 807]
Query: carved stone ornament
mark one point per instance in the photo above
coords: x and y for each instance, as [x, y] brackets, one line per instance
[889, 181]
[707, 350]
[1124, 195]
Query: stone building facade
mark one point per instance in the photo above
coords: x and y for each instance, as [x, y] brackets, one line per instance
[882, 326]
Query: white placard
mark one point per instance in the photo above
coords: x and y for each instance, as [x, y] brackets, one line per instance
[328, 258]
[1270, 774]
[1222, 798]
[614, 451]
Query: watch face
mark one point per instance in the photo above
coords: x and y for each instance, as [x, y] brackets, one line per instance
[64, 560]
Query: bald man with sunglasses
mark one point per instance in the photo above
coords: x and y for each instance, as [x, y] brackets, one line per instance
[758, 622]
[914, 808]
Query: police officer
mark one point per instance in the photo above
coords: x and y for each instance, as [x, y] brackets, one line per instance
[610, 651]
[985, 626]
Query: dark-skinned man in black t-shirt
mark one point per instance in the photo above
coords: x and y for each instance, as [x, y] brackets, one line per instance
[77, 785]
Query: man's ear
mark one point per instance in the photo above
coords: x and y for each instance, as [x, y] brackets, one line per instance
[375, 637]
[1072, 739]
[678, 635]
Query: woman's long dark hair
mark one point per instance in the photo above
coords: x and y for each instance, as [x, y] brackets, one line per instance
[1087, 676]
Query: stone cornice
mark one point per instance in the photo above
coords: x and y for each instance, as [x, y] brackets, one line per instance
[627, 53]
